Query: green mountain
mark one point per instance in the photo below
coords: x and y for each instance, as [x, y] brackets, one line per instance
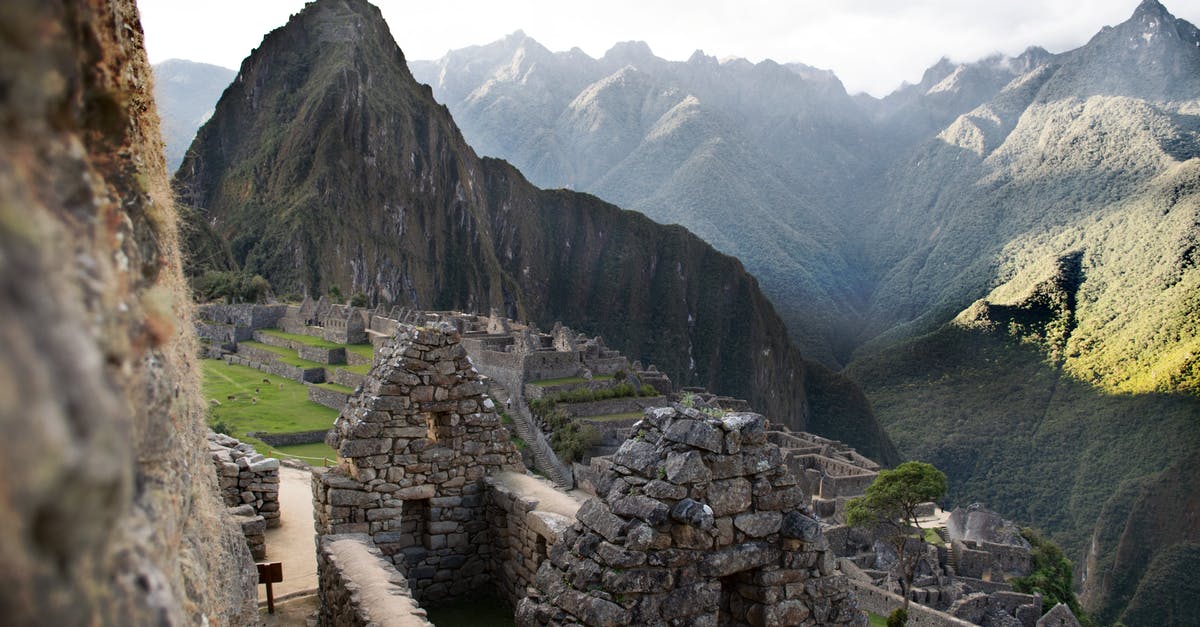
[1003, 255]
[325, 164]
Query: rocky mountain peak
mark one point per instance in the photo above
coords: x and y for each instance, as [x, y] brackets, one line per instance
[629, 53]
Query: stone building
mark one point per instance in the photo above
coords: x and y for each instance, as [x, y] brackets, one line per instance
[699, 522]
[414, 446]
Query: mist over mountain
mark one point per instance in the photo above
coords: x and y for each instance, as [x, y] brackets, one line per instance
[325, 164]
[186, 92]
[1004, 255]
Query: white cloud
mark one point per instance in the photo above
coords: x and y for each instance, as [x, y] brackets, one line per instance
[872, 45]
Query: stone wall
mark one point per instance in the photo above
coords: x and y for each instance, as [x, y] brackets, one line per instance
[415, 444]
[290, 439]
[361, 588]
[272, 367]
[881, 602]
[249, 316]
[609, 406]
[320, 355]
[522, 532]
[551, 365]
[332, 399]
[246, 477]
[699, 522]
[345, 378]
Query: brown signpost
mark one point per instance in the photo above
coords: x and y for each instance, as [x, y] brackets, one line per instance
[269, 573]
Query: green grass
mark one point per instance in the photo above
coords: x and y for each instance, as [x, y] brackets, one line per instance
[566, 380]
[877, 620]
[307, 340]
[613, 417]
[335, 387]
[932, 537]
[286, 355]
[279, 409]
[315, 452]
[361, 369]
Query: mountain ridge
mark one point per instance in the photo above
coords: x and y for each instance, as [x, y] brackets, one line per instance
[326, 164]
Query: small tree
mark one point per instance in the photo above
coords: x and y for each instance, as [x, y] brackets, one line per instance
[891, 501]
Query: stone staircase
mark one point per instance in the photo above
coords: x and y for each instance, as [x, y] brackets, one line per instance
[544, 458]
[951, 555]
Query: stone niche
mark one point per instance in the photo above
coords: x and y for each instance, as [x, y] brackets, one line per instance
[699, 522]
[414, 446]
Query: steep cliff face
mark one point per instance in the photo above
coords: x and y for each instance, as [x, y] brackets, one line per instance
[108, 505]
[327, 164]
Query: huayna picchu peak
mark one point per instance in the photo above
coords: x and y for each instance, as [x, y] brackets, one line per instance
[325, 164]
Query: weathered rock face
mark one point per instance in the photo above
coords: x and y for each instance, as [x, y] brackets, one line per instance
[701, 523]
[108, 503]
[415, 444]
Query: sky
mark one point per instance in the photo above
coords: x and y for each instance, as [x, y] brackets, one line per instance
[872, 45]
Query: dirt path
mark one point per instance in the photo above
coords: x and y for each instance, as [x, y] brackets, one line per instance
[292, 542]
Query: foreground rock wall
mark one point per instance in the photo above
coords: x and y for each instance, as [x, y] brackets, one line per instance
[109, 511]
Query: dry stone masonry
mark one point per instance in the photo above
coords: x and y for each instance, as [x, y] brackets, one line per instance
[414, 446]
[249, 484]
[699, 523]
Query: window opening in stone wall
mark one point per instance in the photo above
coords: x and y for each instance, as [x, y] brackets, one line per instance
[438, 427]
[542, 552]
[414, 522]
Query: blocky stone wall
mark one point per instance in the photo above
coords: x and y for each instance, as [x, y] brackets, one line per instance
[335, 356]
[294, 373]
[244, 315]
[415, 444]
[699, 523]
[345, 377]
[360, 588]
[521, 537]
[246, 477]
[332, 399]
[881, 602]
[290, 439]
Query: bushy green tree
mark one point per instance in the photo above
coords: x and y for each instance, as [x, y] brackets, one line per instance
[891, 502]
[1051, 577]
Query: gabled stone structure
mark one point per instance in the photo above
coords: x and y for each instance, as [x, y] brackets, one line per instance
[415, 445]
[699, 523]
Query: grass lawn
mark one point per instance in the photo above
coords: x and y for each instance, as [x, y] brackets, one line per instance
[287, 355]
[565, 380]
[335, 387]
[612, 417]
[307, 340]
[932, 537]
[282, 407]
[312, 454]
[877, 620]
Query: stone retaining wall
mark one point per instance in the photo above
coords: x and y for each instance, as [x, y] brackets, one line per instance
[881, 602]
[332, 399]
[335, 356]
[290, 439]
[551, 365]
[243, 315]
[609, 406]
[359, 587]
[344, 377]
[295, 373]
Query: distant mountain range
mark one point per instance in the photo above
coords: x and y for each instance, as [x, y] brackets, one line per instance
[325, 164]
[1002, 255]
[186, 93]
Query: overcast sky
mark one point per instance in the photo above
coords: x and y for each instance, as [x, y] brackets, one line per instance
[872, 45]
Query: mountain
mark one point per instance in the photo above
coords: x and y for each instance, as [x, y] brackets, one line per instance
[325, 164]
[750, 157]
[186, 92]
[1003, 255]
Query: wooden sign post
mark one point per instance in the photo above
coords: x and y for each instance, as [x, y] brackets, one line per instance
[269, 573]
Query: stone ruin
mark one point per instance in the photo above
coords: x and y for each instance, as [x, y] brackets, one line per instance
[249, 486]
[414, 446]
[698, 522]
